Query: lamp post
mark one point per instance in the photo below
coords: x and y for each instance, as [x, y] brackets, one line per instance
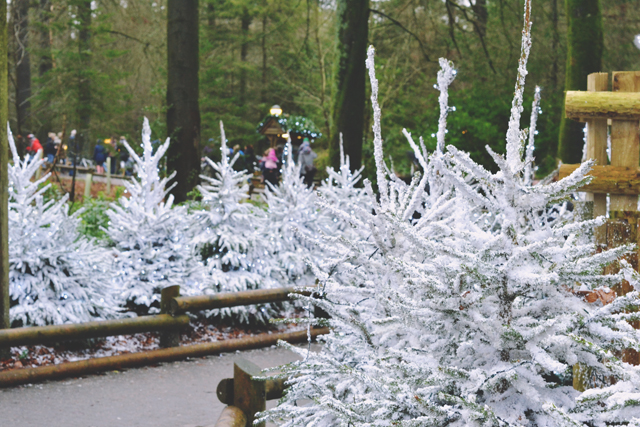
[275, 110]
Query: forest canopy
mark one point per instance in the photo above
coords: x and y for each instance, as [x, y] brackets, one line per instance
[101, 65]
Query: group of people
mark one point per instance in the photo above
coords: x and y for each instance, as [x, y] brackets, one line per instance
[272, 161]
[121, 162]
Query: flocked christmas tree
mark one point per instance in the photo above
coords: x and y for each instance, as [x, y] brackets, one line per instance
[468, 316]
[151, 236]
[293, 217]
[56, 275]
[230, 241]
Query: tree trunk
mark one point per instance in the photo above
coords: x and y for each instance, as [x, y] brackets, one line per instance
[45, 64]
[23, 65]
[584, 56]
[84, 75]
[263, 92]
[183, 113]
[482, 15]
[349, 83]
[245, 22]
[555, 44]
[4, 178]
[44, 33]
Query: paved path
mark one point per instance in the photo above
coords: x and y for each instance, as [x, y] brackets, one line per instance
[180, 394]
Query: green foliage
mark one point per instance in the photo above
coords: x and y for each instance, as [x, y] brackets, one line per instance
[94, 219]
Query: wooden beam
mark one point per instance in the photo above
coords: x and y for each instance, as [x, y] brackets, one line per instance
[602, 105]
[618, 180]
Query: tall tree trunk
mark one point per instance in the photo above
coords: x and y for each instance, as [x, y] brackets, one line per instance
[349, 84]
[482, 16]
[183, 113]
[23, 65]
[245, 22]
[584, 56]
[44, 33]
[4, 178]
[84, 107]
[555, 44]
[263, 92]
[45, 64]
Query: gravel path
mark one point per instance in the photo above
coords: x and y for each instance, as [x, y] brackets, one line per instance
[180, 394]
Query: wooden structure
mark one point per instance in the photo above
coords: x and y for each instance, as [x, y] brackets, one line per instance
[169, 323]
[246, 394]
[614, 114]
[272, 130]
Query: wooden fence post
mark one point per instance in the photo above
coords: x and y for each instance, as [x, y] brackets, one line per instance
[597, 150]
[4, 180]
[108, 173]
[170, 338]
[625, 151]
[249, 394]
[87, 186]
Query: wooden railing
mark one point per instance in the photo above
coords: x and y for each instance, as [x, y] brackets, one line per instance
[169, 323]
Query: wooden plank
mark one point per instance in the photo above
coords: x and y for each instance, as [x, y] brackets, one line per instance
[597, 150]
[625, 139]
[617, 180]
[606, 105]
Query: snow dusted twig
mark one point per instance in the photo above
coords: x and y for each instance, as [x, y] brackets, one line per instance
[377, 132]
[515, 136]
[223, 146]
[528, 160]
[446, 75]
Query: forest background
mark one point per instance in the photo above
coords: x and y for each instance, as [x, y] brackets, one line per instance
[101, 65]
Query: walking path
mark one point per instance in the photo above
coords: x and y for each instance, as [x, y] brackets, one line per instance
[180, 394]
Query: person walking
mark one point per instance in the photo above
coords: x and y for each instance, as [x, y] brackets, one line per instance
[50, 149]
[99, 156]
[306, 156]
[34, 146]
[270, 171]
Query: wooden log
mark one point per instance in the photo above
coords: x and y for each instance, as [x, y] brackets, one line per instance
[602, 105]
[58, 333]
[231, 416]
[83, 367]
[597, 151]
[249, 394]
[108, 173]
[232, 299]
[169, 337]
[608, 179]
[274, 388]
[87, 186]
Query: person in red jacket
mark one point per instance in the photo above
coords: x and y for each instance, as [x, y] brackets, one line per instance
[34, 146]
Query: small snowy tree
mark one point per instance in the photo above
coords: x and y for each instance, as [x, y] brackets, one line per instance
[292, 217]
[231, 243]
[56, 275]
[468, 316]
[151, 236]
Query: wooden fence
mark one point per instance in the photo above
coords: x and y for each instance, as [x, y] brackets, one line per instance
[169, 323]
[613, 115]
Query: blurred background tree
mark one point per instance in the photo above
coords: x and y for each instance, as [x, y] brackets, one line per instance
[257, 53]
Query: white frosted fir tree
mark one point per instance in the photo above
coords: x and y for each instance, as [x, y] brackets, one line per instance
[56, 275]
[150, 235]
[231, 243]
[456, 323]
[292, 217]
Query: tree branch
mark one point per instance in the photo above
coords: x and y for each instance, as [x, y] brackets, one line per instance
[384, 15]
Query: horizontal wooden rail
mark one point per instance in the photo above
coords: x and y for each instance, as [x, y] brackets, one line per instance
[232, 299]
[602, 105]
[608, 179]
[83, 367]
[57, 333]
[231, 416]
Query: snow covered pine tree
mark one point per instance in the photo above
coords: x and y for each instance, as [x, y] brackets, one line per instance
[232, 244]
[151, 237]
[56, 275]
[467, 316]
